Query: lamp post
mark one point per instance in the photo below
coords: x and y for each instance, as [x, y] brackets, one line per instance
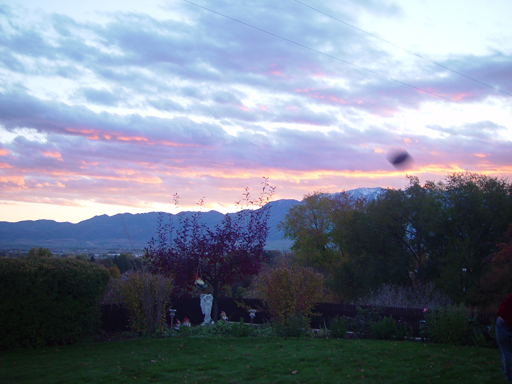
[423, 329]
[252, 314]
[172, 313]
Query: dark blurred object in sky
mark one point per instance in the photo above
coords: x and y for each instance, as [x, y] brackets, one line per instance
[400, 159]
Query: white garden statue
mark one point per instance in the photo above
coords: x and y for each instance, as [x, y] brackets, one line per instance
[206, 307]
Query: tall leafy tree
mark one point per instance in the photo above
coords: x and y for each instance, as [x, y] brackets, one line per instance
[374, 244]
[411, 220]
[433, 232]
[478, 211]
[218, 256]
[127, 262]
[309, 225]
[318, 228]
[392, 240]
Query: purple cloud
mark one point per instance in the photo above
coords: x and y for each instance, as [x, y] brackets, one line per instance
[135, 108]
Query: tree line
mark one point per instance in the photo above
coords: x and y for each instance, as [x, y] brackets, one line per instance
[452, 233]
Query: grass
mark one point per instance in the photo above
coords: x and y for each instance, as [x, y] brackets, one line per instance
[252, 360]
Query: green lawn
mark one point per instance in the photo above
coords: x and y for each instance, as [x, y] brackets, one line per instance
[252, 360]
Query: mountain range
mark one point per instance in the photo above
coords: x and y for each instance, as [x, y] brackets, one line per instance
[125, 231]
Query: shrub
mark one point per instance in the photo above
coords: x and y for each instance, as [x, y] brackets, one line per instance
[360, 325]
[484, 336]
[112, 293]
[383, 329]
[48, 301]
[264, 330]
[418, 296]
[289, 292]
[450, 326]
[293, 326]
[218, 329]
[369, 323]
[185, 331]
[241, 329]
[494, 285]
[146, 296]
[403, 331]
[322, 333]
[339, 327]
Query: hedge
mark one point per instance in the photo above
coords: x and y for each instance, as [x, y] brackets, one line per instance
[49, 301]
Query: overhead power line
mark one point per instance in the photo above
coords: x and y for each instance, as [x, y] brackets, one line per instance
[322, 53]
[403, 49]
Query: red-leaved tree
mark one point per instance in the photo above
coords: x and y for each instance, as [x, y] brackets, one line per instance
[504, 253]
[220, 255]
[496, 282]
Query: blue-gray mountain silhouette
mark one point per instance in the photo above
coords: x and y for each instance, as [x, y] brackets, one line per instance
[122, 230]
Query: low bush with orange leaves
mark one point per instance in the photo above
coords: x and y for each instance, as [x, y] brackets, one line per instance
[289, 291]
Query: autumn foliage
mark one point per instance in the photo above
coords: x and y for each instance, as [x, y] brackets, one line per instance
[146, 296]
[289, 290]
[496, 283]
[504, 253]
[219, 256]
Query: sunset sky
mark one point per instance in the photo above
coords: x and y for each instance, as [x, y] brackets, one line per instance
[114, 106]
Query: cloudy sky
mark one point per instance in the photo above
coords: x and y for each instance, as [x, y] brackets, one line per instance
[114, 106]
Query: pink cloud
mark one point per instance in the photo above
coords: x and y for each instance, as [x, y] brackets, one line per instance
[18, 181]
[126, 138]
[53, 155]
[173, 144]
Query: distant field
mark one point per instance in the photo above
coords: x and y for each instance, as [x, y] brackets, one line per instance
[245, 360]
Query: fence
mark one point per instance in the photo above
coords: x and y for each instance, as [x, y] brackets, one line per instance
[116, 318]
